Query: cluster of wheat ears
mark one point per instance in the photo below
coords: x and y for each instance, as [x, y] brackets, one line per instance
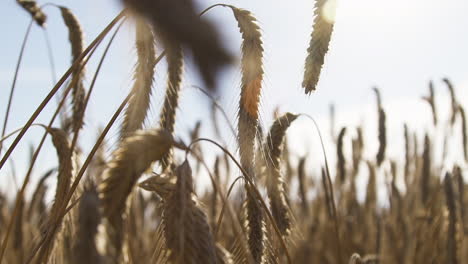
[104, 211]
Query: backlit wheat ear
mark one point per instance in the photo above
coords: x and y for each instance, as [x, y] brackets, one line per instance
[175, 62]
[452, 256]
[138, 104]
[76, 37]
[186, 229]
[382, 129]
[252, 76]
[275, 184]
[461, 110]
[134, 156]
[318, 46]
[453, 99]
[430, 99]
[341, 161]
[34, 10]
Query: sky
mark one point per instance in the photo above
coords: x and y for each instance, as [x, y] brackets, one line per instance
[395, 45]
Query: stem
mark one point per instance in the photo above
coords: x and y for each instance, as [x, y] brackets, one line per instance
[15, 78]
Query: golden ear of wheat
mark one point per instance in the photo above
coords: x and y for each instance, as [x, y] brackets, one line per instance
[275, 183]
[252, 76]
[76, 37]
[65, 168]
[175, 65]
[318, 47]
[134, 156]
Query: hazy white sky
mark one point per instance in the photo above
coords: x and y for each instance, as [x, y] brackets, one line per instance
[396, 45]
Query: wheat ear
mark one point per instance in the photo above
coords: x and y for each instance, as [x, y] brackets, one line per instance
[139, 103]
[34, 10]
[453, 100]
[341, 161]
[174, 59]
[430, 99]
[65, 168]
[318, 47]
[382, 129]
[187, 231]
[76, 37]
[252, 76]
[275, 183]
[134, 156]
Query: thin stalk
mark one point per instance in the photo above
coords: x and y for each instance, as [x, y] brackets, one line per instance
[15, 78]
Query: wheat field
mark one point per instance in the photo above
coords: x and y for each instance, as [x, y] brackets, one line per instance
[138, 201]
